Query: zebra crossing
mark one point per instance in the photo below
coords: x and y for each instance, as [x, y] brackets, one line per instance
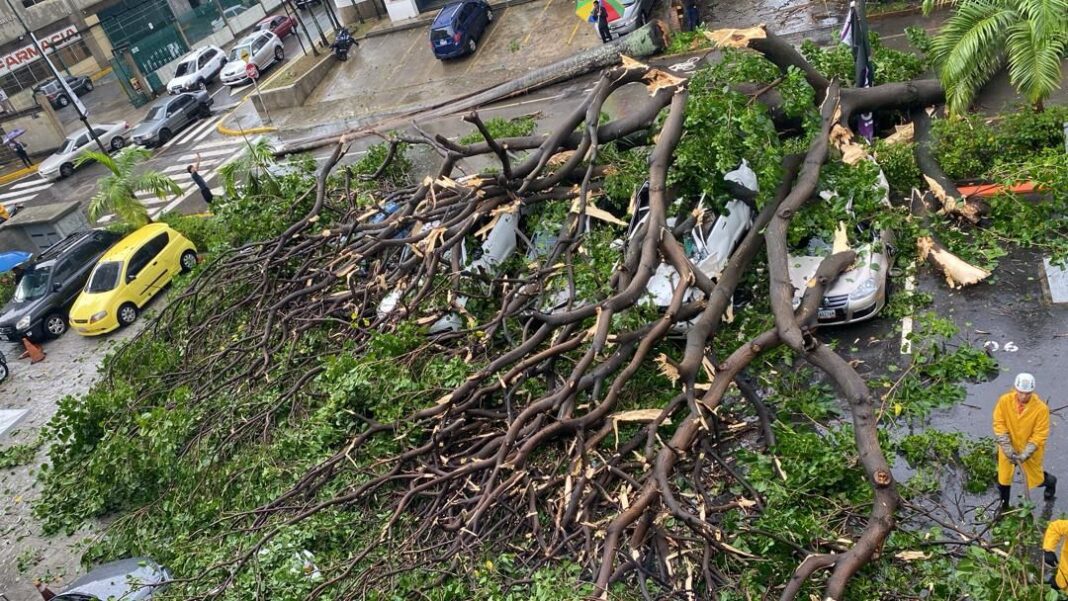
[24, 191]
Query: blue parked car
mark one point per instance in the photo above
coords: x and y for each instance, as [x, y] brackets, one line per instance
[458, 27]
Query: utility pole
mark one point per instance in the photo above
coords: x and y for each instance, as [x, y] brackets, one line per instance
[74, 100]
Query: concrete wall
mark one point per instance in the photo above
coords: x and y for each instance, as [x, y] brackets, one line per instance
[43, 132]
[247, 19]
[296, 93]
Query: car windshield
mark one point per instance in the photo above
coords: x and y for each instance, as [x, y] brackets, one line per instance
[235, 54]
[157, 113]
[105, 277]
[33, 285]
[184, 68]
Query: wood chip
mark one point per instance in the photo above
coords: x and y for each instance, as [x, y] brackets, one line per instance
[736, 38]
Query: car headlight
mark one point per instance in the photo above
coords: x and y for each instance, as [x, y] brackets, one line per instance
[865, 289]
[98, 316]
[23, 324]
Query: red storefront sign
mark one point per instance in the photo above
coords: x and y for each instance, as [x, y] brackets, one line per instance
[28, 53]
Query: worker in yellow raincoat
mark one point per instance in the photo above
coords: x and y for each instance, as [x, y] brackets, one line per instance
[1021, 427]
[1055, 534]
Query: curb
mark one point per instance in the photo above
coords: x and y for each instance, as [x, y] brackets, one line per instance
[14, 175]
[101, 74]
[418, 22]
[226, 131]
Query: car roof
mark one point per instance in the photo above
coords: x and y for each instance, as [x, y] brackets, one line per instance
[135, 240]
[446, 14]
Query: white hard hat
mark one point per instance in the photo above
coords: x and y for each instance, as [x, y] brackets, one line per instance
[1024, 382]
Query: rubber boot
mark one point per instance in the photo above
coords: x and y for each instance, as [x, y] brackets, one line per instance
[1049, 482]
[1003, 491]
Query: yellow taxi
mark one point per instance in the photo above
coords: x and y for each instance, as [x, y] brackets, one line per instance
[128, 276]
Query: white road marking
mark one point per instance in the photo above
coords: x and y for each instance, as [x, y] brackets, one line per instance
[37, 181]
[29, 191]
[207, 153]
[207, 131]
[180, 169]
[177, 201]
[218, 143]
[192, 132]
[906, 321]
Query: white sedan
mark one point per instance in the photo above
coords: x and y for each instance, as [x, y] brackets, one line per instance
[261, 48]
[61, 163]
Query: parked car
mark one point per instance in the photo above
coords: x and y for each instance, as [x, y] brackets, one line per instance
[49, 285]
[279, 25]
[132, 579]
[170, 115]
[635, 14]
[860, 292]
[57, 96]
[262, 47]
[199, 68]
[458, 27]
[227, 14]
[62, 162]
[128, 276]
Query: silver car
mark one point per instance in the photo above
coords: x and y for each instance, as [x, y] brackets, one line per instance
[127, 579]
[197, 69]
[261, 48]
[169, 116]
[61, 163]
[635, 14]
[860, 292]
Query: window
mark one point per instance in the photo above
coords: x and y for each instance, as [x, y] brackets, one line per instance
[260, 43]
[146, 254]
[86, 252]
[98, 131]
[64, 270]
[82, 140]
[33, 285]
[105, 277]
[203, 60]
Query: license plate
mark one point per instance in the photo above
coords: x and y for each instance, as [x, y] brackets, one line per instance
[826, 314]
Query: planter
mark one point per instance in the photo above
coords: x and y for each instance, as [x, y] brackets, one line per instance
[293, 94]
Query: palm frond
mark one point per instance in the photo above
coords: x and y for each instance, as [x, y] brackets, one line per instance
[1034, 61]
[968, 49]
[95, 155]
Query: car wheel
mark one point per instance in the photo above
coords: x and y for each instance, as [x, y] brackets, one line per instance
[472, 45]
[188, 261]
[66, 169]
[202, 85]
[205, 111]
[117, 143]
[63, 101]
[88, 85]
[279, 54]
[55, 325]
[164, 135]
[127, 314]
[3, 371]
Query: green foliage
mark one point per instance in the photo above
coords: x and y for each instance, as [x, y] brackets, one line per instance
[117, 191]
[899, 165]
[629, 169]
[938, 367]
[976, 458]
[857, 199]
[205, 233]
[687, 41]
[981, 36]
[836, 61]
[7, 287]
[503, 128]
[18, 454]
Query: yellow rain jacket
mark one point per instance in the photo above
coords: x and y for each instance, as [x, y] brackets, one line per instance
[1055, 533]
[1030, 425]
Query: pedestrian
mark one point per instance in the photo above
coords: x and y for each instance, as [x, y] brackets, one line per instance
[1021, 427]
[693, 14]
[202, 185]
[601, 15]
[1055, 534]
[20, 150]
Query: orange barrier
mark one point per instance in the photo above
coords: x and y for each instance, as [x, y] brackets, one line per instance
[988, 190]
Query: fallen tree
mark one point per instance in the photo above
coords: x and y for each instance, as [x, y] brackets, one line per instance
[531, 428]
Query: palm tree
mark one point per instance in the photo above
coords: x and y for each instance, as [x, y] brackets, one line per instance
[117, 191]
[1031, 35]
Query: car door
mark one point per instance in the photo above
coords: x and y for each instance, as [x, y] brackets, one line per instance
[145, 273]
[465, 19]
[177, 115]
[81, 144]
[263, 51]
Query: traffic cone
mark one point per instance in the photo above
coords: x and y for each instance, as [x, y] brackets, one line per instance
[41, 587]
[34, 352]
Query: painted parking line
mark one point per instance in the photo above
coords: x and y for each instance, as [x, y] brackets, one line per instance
[37, 181]
[485, 43]
[217, 144]
[573, 32]
[25, 191]
[189, 133]
[531, 32]
[415, 40]
[207, 130]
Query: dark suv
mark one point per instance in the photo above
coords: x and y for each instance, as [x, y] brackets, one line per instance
[49, 285]
[80, 85]
[458, 27]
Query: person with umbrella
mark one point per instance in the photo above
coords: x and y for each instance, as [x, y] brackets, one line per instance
[20, 150]
[600, 14]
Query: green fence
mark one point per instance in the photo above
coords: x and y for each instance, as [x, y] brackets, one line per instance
[200, 22]
[156, 50]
